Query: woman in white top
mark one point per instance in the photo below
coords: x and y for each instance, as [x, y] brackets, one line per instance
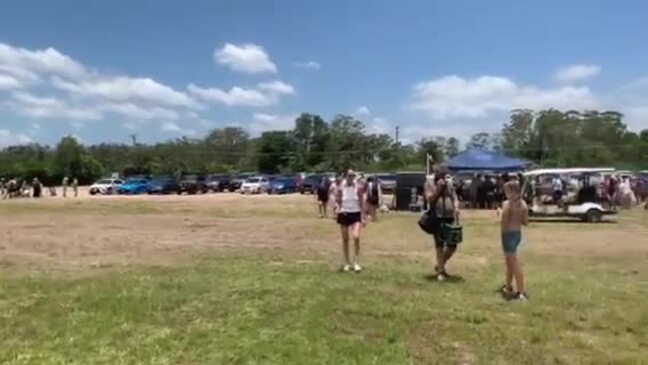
[350, 202]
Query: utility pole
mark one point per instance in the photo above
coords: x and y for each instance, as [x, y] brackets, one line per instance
[134, 138]
[397, 132]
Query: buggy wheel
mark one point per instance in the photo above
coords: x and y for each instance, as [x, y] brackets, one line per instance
[593, 216]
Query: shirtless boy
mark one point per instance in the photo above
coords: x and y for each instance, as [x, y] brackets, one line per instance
[515, 214]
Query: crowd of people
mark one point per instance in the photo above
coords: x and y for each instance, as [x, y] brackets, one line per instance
[15, 188]
[486, 191]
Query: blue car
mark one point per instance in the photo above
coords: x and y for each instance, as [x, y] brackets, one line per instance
[282, 185]
[134, 186]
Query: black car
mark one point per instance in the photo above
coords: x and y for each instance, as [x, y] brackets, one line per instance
[310, 184]
[163, 185]
[238, 180]
[218, 182]
[192, 184]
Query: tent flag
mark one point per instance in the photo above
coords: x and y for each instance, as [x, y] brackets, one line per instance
[483, 160]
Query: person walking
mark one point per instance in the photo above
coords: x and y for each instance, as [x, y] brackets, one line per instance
[322, 196]
[515, 214]
[37, 188]
[350, 200]
[443, 202]
[65, 184]
[75, 187]
[374, 197]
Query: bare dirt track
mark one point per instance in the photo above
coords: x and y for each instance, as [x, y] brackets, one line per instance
[105, 231]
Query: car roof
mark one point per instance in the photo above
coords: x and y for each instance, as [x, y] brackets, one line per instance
[568, 170]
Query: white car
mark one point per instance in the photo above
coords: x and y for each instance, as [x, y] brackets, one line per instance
[255, 185]
[105, 186]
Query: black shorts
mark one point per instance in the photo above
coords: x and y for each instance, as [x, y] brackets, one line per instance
[373, 200]
[349, 219]
[322, 197]
[439, 242]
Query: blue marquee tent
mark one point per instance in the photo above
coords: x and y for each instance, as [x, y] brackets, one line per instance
[482, 160]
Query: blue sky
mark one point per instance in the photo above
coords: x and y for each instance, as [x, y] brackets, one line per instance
[103, 70]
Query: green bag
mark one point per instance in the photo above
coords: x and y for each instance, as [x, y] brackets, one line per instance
[451, 233]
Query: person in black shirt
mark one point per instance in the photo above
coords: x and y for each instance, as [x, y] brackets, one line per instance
[37, 188]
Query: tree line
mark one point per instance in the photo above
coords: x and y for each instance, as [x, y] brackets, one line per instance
[546, 137]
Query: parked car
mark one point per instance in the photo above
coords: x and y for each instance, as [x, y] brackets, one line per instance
[105, 186]
[255, 185]
[134, 186]
[164, 185]
[282, 185]
[238, 180]
[387, 182]
[192, 184]
[310, 183]
[218, 182]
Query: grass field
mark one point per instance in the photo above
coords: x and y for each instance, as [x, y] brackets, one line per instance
[224, 279]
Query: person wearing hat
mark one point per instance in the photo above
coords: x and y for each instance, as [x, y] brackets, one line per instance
[350, 202]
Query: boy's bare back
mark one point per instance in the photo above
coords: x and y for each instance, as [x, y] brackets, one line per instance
[515, 214]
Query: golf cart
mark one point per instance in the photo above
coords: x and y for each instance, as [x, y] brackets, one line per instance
[581, 196]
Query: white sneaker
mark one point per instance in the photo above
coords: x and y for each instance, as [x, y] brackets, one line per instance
[357, 268]
[346, 268]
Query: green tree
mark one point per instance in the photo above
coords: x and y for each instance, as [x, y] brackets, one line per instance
[275, 150]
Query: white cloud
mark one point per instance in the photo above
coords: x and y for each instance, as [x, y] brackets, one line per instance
[28, 65]
[133, 111]
[126, 89]
[50, 108]
[308, 65]
[456, 97]
[174, 128]
[362, 111]
[8, 138]
[264, 122]
[46, 84]
[265, 94]
[235, 96]
[8, 82]
[246, 58]
[577, 72]
[277, 88]
[170, 127]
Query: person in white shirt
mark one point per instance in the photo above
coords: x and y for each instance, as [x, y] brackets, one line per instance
[350, 202]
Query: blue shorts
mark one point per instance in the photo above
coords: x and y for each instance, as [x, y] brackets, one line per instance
[511, 241]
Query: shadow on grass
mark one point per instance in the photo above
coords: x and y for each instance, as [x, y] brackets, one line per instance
[570, 221]
[451, 279]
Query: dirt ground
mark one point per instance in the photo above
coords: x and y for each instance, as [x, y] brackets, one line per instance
[106, 231]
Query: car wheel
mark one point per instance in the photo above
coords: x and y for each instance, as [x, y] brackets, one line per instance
[593, 216]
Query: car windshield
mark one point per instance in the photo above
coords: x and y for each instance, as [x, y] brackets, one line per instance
[283, 181]
[135, 181]
[253, 180]
[386, 177]
[104, 182]
[215, 177]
